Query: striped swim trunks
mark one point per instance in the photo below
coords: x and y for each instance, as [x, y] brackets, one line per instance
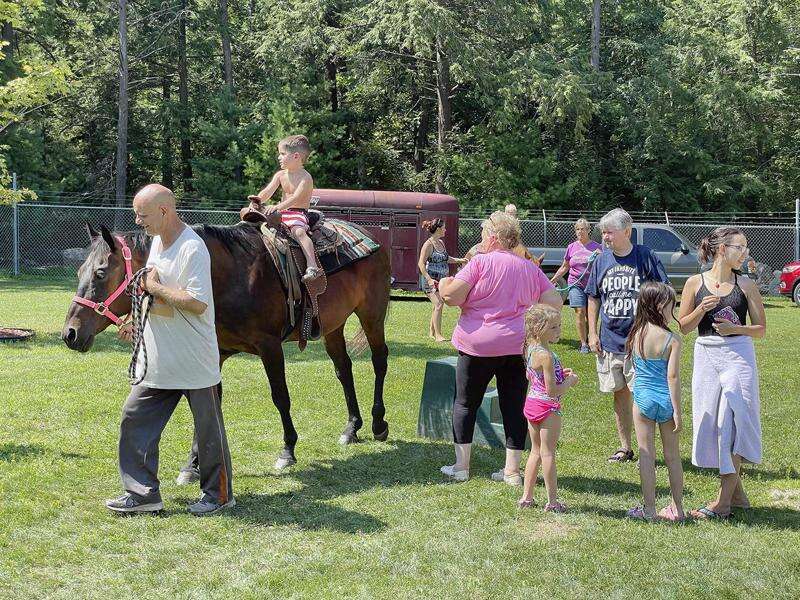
[293, 217]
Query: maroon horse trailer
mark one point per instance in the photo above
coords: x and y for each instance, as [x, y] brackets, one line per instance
[395, 220]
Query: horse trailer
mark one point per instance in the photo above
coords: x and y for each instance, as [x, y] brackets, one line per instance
[394, 219]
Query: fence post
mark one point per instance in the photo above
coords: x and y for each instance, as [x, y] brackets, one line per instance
[797, 228]
[544, 218]
[666, 218]
[15, 224]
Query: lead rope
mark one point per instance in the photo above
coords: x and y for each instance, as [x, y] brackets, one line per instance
[592, 258]
[138, 320]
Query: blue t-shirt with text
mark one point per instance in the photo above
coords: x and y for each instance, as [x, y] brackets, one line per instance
[615, 281]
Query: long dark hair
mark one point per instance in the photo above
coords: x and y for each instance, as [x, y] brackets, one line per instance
[653, 297]
[432, 225]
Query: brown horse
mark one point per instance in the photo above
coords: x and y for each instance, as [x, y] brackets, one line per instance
[250, 313]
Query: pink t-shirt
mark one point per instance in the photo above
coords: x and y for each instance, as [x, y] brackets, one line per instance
[578, 257]
[503, 286]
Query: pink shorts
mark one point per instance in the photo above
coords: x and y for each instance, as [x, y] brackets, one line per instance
[294, 218]
[537, 409]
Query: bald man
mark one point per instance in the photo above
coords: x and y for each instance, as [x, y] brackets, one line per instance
[182, 360]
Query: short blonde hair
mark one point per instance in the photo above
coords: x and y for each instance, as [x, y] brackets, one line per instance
[583, 223]
[504, 227]
[296, 143]
[537, 318]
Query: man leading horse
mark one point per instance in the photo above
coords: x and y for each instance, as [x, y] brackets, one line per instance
[181, 359]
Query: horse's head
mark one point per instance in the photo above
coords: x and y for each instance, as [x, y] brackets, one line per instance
[100, 300]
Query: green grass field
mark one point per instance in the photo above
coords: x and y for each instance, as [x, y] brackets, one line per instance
[372, 519]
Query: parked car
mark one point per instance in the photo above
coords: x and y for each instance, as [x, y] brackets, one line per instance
[676, 253]
[790, 281]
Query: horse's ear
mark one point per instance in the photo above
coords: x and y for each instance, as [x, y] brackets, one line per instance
[109, 239]
[93, 233]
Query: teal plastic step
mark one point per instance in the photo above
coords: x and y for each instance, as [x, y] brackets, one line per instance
[436, 407]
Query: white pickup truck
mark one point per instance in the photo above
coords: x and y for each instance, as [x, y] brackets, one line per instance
[676, 253]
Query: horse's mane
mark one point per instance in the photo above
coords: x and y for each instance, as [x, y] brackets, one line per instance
[245, 237]
[231, 236]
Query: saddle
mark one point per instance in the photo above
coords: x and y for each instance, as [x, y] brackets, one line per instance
[302, 297]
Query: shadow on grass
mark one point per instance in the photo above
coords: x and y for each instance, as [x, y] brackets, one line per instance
[777, 518]
[15, 452]
[326, 480]
[749, 471]
[32, 284]
[603, 486]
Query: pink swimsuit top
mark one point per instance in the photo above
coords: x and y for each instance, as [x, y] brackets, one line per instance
[538, 389]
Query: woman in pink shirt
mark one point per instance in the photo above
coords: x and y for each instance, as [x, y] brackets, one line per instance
[576, 261]
[494, 290]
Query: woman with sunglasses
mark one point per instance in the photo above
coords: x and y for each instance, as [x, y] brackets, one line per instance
[726, 418]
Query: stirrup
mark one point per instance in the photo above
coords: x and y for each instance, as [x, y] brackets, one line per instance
[312, 273]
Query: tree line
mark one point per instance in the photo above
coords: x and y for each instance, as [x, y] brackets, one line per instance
[648, 104]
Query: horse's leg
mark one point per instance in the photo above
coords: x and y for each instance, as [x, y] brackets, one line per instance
[372, 318]
[273, 361]
[190, 472]
[336, 348]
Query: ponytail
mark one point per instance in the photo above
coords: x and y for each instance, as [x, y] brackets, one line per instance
[709, 245]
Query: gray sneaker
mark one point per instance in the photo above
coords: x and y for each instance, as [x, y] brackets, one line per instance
[207, 506]
[187, 476]
[127, 503]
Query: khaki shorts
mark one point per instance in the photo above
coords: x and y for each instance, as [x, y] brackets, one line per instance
[614, 371]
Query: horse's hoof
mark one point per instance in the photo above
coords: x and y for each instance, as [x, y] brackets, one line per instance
[187, 477]
[346, 439]
[284, 462]
[382, 436]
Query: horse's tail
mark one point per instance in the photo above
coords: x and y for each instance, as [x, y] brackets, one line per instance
[357, 345]
[359, 342]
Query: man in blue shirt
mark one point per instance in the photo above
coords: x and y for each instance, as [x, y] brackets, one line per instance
[613, 289]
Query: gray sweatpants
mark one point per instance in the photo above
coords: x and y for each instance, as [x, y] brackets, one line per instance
[144, 417]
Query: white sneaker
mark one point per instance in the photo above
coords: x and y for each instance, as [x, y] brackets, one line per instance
[515, 479]
[450, 471]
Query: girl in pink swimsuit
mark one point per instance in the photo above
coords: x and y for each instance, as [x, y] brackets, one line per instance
[548, 382]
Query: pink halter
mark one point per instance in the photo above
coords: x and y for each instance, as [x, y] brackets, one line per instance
[101, 308]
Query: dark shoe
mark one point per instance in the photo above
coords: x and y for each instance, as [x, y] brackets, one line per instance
[208, 506]
[187, 476]
[621, 456]
[127, 503]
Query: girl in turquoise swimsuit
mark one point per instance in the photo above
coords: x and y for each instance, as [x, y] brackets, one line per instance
[655, 352]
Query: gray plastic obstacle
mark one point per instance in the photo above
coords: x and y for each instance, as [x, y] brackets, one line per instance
[436, 407]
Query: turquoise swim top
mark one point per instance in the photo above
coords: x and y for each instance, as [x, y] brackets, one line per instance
[651, 376]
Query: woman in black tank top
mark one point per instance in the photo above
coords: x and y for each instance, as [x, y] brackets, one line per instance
[726, 418]
[731, 307]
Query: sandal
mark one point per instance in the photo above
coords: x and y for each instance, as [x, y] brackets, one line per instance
[706, 514]
[556, 507]
[668, 513]
[621, 456]
[637, 513]
[525, 504]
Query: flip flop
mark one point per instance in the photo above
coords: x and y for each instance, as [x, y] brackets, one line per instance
[706, 514]
[637, 514]
[621, 456]
[525, 504]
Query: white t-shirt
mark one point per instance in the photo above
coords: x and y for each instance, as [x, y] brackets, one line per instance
[182, 350]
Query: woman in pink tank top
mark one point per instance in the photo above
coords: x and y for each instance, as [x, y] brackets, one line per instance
[493, 291]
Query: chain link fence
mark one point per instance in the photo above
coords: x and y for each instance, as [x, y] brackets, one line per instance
[773, 244]
[51, 237]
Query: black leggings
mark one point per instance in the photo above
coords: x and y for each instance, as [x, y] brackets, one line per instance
[473, 374]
